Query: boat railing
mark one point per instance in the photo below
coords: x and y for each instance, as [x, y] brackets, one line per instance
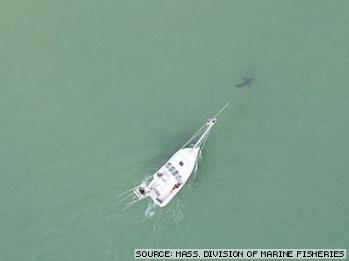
[200, 136]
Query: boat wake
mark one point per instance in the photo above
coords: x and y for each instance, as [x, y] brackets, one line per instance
[125, 200]
[176, 213]
[150, 210]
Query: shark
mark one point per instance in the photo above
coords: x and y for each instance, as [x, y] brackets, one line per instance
[245, 82]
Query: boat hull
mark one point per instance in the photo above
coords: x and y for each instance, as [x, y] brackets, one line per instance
[173, 175]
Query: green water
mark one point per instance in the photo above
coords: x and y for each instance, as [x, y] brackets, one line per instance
[96, 94]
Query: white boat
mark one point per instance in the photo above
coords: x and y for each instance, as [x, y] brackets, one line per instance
[170, 178]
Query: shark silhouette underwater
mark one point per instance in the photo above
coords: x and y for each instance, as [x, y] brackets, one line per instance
[246, 82]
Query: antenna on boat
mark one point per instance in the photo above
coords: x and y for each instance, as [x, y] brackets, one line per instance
[222, 109]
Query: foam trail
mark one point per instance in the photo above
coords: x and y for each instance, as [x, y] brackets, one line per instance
[150, 210]
[123, 206]
[125, 192]
[130, 204]
[127, 197]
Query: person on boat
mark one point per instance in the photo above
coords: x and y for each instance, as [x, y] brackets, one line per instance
[175, 187]
[141, 190]
[159, 174]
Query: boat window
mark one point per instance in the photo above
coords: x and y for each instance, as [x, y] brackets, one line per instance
[168, 164]
[157, 192]
[181, 163]
[175, 172]
[178, 177]
[172, 168]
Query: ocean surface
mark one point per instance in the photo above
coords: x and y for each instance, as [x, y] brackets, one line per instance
[96, 95]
